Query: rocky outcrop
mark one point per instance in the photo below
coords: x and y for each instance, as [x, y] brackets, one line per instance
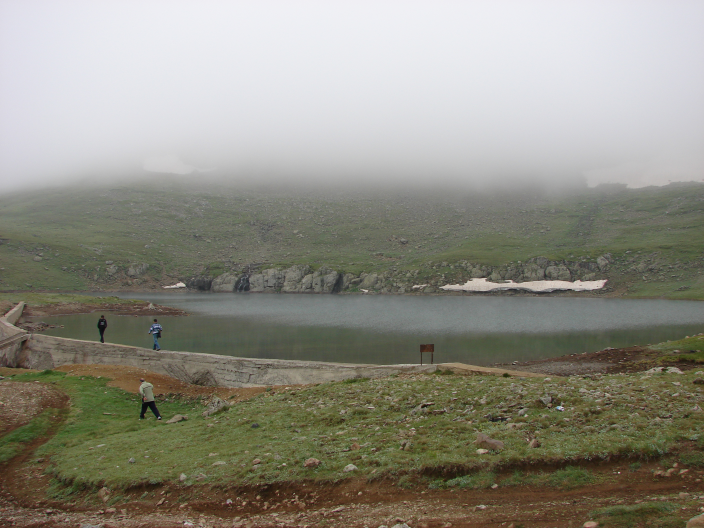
[199, 282]
[137, 270]
[224, 283]
[432, 277]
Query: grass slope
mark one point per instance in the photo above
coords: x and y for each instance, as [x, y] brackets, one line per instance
[380, 427]
[68, 238]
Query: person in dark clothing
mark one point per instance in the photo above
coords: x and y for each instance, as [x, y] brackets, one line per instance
[102, 325]
[146, 390]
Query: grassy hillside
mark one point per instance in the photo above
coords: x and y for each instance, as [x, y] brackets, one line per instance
[388, 428]
[86, 238]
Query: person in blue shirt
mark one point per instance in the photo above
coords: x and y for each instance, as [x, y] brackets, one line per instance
[155, 330]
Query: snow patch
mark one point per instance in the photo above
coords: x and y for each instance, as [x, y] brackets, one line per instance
[482, 285]
[177, 285]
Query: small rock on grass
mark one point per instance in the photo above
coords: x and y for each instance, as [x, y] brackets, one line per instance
[182, 477]
[590, 524]
[483, 441]
[177, 418]
[349, 467]
[311, 463]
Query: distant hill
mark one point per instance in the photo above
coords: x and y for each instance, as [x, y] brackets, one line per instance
[142, 236]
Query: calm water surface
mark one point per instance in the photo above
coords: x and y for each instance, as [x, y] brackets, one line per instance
[389, 329]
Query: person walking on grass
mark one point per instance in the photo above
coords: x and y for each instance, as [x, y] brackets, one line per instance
[146, 390]
[102, 325]
[155, 330]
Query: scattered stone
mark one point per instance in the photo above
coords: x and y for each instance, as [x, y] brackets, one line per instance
[483, 441]
[177, 418]
[219, 463]
[311, 463]
[104, 494]
[406, 445]
[215, 405]
[113, 510]
[255, 425]
[131, 460]
[494, 486]
[480, 507]
[355, 447]
[256, 461]
[400, 525]
[482, 451]
[349, 467]
[534, 444]
[590, 524]
[547, 400]
[698, 381]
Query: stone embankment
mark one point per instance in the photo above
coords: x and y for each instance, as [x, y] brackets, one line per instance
[429, 279]
[43, 352]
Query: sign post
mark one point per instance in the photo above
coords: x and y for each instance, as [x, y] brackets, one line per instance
[427, 349]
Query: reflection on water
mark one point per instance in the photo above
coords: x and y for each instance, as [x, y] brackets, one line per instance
[389, 329]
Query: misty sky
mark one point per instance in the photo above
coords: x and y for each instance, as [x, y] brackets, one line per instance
[354, 90]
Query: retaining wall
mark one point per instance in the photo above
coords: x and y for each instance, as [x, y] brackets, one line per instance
[47, 352]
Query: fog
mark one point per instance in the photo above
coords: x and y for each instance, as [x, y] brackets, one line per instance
[397, 92]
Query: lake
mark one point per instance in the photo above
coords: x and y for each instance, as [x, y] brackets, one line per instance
[382, 329]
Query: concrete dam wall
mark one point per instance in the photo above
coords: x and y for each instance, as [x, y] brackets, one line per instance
[43, 352]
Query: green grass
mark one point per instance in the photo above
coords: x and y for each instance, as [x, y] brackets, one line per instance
[12, 443]
[687, 350]
[631, 416]
[46, 298]
[655, 514]
[180, 230]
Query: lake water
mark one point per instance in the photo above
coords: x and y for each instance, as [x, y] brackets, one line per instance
[383, 329]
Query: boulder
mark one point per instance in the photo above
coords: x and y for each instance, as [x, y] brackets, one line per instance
[112, 269]
[347, 279]
[558, 273]
[369, 281]
[293, 277]
[311, 463]
[272, 280]
[603, 263]
[104, 494]
[137, 270]
[215, 405]
[696, 522]
[325, 280]
[224, 283]
[483, 441]
[256, 282]
[199, 282]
